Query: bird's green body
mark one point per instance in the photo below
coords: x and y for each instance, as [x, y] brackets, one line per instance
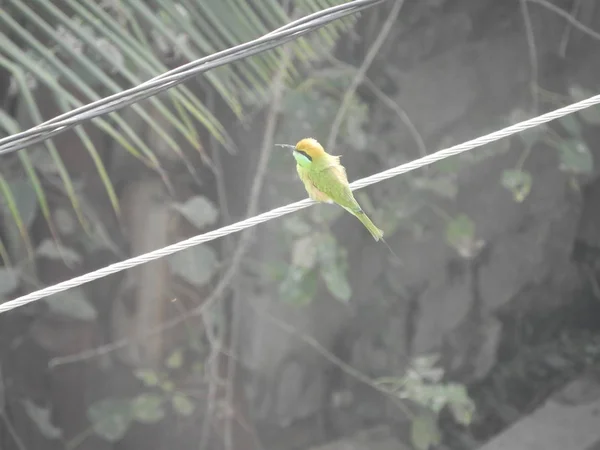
[325, 180]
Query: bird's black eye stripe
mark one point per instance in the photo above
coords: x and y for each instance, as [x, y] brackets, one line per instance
[305, 154]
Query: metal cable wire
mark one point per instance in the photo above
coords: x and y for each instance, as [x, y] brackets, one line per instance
[282, 211]
[176, 76]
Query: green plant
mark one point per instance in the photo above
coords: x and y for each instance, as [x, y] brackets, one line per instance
[83, 51]
[574, 154]
[316, 255]
[422, 385]
[112, 417]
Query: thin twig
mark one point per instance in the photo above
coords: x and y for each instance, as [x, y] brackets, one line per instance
[345, 367]
[213, 381]
[216, 342]
[11, 430]
[115, 345]
[220, 180]
[390, 103]
[533, 61]
[254, 198]
[358, 78]
[565, 15]
[400, 112]
[562, 48]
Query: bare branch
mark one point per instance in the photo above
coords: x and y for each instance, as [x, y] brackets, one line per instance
[360, 74]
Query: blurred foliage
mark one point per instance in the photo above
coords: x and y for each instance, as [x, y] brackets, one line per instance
[518, 182]
[310, 109]
[311, 106]
[60, 56]
[42, 418]
[72, 53]
[422, 385]
[315, 256]
[111, 418]
[567, 138]
[87, 50]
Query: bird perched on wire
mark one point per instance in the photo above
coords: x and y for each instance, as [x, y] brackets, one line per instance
[325, 180]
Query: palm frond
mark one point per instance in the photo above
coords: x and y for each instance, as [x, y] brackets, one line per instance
[82, 51]
[10, 126]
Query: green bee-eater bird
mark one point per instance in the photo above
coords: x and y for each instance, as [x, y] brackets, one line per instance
[325, 180]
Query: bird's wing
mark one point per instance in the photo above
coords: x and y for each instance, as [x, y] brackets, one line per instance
[311, 188]
[333, 182]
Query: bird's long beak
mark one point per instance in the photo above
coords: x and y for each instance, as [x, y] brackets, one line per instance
[292, 147]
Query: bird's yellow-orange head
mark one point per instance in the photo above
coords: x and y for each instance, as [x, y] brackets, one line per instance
[311, 147]
[308, 150]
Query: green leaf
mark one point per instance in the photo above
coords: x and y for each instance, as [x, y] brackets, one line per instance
[571, 124]
[304, 252]
[175, 360]
[148, 377]
[424, 431]
[42, 161]
[42, 418]
[591, 115]
[73, 304]
[333, 268]
[326, 214]
[444, 186]
[530, 136]
[198, 368]
[25, 199]
[9, 280]
[337, 282]
[182, 404]
[52, 250]
[463, 412]
[461, 405]
[297, 226]
[518, 182]
[425, 362]
[575, 157]
[199, 210]
[111, 418]
[167, 386]
[460, 230]
[64, 221]
[577, 93]
[425, 367]
[11, 207]
[147, 408]
[449, 165]
[196, 265]
[298, 287]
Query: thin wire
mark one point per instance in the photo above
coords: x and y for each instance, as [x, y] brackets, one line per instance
[283, 210]
[178, 75]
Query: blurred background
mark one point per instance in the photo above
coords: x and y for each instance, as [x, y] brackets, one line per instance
[302, 333]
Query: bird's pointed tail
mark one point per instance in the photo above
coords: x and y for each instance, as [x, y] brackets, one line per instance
[375, 232]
